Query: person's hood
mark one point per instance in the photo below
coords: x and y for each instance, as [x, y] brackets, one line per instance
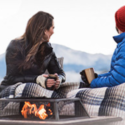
[119, 37]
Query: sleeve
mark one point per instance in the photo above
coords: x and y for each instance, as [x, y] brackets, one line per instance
[54, 67]
[116, 76]
[105, 74]
[12, 75]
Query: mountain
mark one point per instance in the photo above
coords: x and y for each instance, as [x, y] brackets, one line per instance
[78, 60]
[74, 62]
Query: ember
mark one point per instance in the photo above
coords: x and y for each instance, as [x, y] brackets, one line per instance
[31, 109]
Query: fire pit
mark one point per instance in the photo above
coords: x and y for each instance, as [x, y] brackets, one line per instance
[58, 111]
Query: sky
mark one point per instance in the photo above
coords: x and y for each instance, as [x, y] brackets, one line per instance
[84, 25]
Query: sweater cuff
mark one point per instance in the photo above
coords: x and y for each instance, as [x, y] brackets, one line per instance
[41, 81]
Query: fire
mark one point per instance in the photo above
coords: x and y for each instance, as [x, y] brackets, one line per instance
[31, 109]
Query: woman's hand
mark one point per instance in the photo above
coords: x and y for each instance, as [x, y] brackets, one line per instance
[51, 83]
[57, 83]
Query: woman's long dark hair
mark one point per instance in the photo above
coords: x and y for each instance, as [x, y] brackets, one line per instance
[34, 36]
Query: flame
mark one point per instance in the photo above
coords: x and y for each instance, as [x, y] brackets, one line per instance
[31, 109]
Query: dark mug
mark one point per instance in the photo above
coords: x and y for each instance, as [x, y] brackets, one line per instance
[51, 76]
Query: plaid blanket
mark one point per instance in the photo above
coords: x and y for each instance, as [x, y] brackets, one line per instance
[29, 90]
[97, 102]
[102, 101]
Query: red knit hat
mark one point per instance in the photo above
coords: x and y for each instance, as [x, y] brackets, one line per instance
[120, 18]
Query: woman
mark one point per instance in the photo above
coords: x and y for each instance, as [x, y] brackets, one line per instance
[29, 56]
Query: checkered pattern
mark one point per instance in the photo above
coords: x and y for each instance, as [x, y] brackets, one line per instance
[97, 102]
[102, 101]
